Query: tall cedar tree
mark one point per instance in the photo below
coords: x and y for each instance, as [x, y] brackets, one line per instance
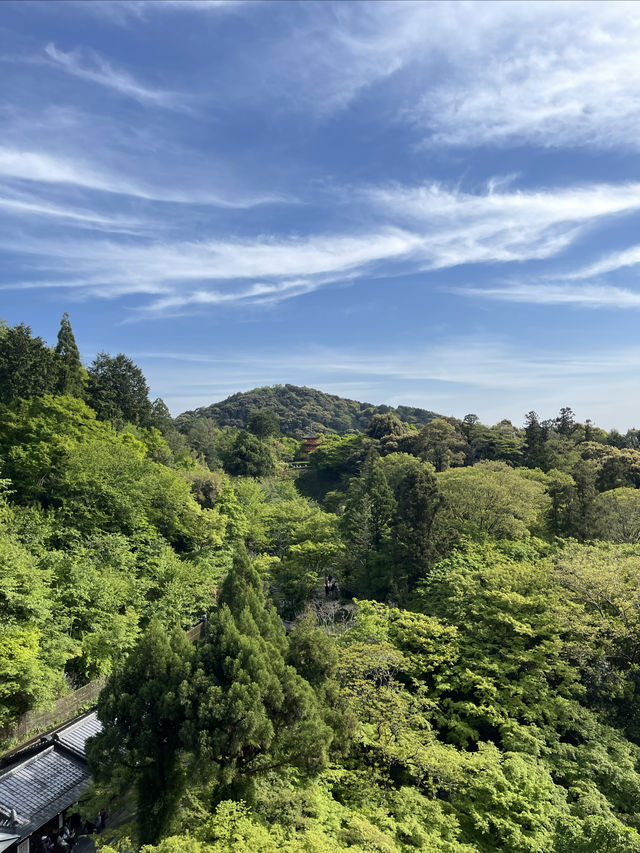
[70, 371]
[249, 712]
[141, 715]
[414, 544]
[366, 527]
[535, 437]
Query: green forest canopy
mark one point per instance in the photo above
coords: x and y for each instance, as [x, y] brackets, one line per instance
[471, 685]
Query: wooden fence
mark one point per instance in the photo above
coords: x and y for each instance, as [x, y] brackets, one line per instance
[67, 707]
[194, 634]
[63, 709]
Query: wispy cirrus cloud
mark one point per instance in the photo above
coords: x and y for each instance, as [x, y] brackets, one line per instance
[609, 263]
[89, 65]
[409, 229]
[582, 296]
[30, 205]
[40, 166]
[500, 225]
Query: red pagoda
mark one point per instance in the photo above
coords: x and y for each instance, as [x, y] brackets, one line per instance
[310, 442]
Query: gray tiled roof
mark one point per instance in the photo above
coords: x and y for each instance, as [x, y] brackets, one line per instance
[40, 787]
[75, 736]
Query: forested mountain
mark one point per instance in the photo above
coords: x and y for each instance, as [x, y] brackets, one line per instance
[299, 409]
[469, 683]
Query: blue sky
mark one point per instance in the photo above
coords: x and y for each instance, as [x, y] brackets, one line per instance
[434, 204]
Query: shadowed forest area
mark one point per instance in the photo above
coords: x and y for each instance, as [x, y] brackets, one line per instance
[468, 684]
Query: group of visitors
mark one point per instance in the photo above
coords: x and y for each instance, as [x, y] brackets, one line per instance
[62, 840]
[330, 586]
[58, 842]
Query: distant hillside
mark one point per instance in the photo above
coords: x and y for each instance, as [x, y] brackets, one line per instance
[301, 408]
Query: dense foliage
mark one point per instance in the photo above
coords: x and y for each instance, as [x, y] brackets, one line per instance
[459, 670]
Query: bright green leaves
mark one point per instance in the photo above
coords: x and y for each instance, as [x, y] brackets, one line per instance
[33, 642]
[494, 499]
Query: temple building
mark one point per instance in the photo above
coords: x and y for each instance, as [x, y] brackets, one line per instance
[310, 442]
[39, 783]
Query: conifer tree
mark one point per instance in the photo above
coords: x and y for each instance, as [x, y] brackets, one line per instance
[414, 545]
[535, 436]
[141, 715]
[366, 526]
[248, 711]
[71, 374]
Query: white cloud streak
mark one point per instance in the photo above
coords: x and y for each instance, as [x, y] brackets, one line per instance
[610, 263]
[95, 69]
[585, 296]
[42, 167]
[433, 228]
[29, 205]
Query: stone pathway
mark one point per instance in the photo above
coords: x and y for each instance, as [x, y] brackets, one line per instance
[85, 845]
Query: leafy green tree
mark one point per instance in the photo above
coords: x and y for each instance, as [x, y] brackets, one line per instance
[493, 498]
[603, 582]
[315, 656]
[34, 645]
[161, 417]
[264, 423]
[499, 599]
[565, 423]
[35, 436]
[440, 444]
[202, 437]
[381, 426]
[619, 469]
[413, 539]
[561, 489]
[249, 457]
[316, 551]
[595, 834]
[584, 474]
[501, 442]
[118, 391]
[366, 526]
[141, 714]
[71, 374]
[509, 805]
[617, 515]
